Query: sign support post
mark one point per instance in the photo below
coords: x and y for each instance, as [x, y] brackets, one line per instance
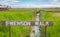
[45, 31]
[10, 31]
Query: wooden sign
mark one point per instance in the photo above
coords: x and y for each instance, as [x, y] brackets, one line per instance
[27, 23]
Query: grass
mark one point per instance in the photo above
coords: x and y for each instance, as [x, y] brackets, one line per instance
[17, 31]
[26, 14]
[52, 31]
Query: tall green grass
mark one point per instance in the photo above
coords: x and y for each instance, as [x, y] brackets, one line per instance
[26, 14]
[17, 31]
[54, 30]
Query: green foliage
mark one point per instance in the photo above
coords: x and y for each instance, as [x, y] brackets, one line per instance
[17, 31]
[52, 31]
[27, 14]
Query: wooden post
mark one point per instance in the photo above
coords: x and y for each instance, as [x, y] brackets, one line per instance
[45, 31]
[10, 31]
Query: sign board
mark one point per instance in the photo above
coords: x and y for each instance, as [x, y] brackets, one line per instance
[27, 23]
